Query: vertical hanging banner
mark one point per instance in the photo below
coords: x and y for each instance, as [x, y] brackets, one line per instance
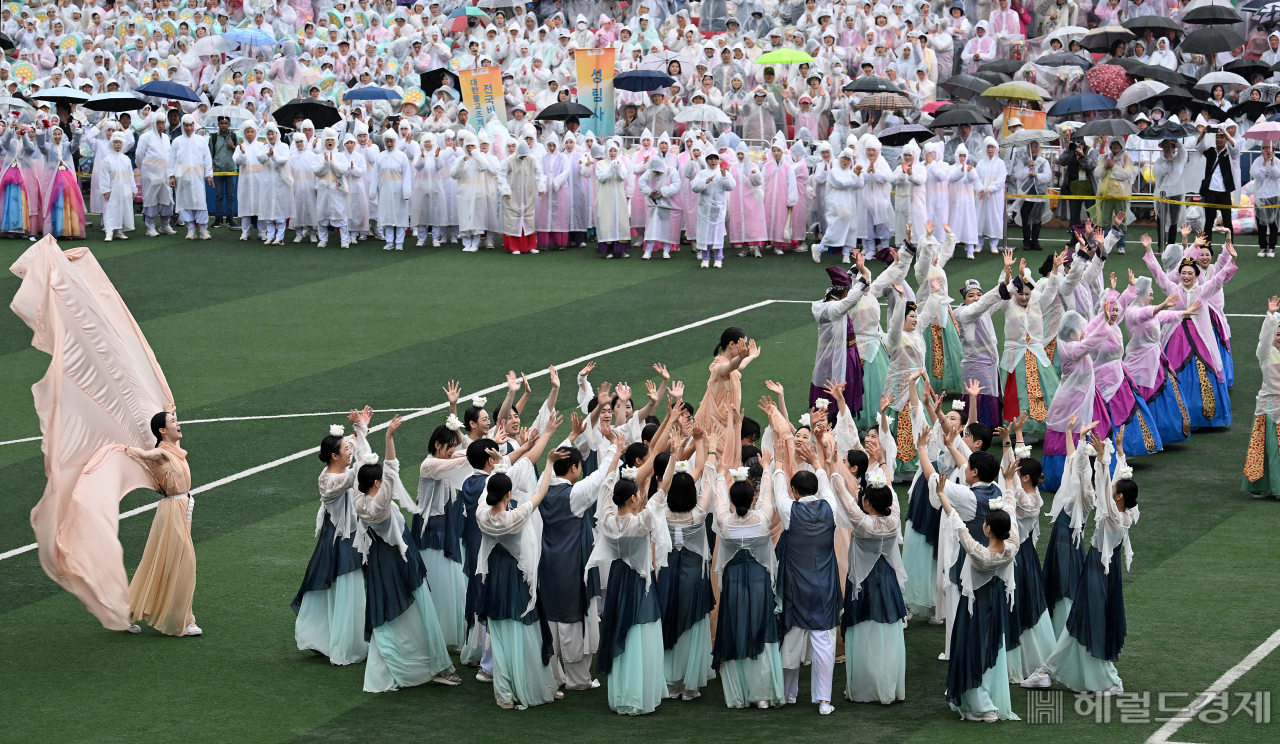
[482, 93]
[595, 88]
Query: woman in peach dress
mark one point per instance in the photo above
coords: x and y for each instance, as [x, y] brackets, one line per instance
[165, 583]
[724, 388]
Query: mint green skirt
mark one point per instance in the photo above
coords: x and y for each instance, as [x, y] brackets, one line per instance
[920, 592]
[1059, 613]
[1073, 665]
[519, 676]
[408, 650]
[873, 379]
[332, 621]
[748, 681]
[992, 694]
[875, 663]
[449, 594]
[637, 684]
[1034, 647]
[952, 356]
[688, 665]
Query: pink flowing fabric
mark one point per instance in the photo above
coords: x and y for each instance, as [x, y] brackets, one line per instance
[97, 398]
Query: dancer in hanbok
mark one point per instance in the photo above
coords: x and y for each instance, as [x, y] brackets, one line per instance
[943, 355]
[118, 189]
[330, 605]
[60, 198]
[275, 193]
[394, 176]
[1029, 380]
[1077, 396]
[406, 647]
[249, 182]
[20, 184]
[1084, 659]
[152, 157]
[164, 584]
[437, 527]
[904, 345]
[1144, 361]
[724, 387]
[837, 357]
[510, 557]
[1262, 462]
[981, 357]
[1191, 347]
[1126, 406]
[747, 650]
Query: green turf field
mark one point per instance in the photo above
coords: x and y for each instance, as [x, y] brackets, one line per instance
[245, 330]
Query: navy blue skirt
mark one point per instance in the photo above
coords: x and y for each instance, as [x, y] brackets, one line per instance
[1097, 614]
[684, 594]
[506, 595]
[626, 603]
[879, 599]
[442, 532]
[1063, 562]
[1029, 602]
[390, 581]
[748, 618]
[922, 516]
[976, 638]
[333, 557]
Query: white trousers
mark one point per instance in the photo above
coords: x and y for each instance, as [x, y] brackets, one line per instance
[573, 645]
[344, 232]
[193, 217]
[820, 649]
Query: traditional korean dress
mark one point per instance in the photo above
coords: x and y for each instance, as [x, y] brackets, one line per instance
[1030, 624]
[60, 197]
[1077, 395]
[1084, 659]
[1153, 379]
[1127, 407]
[747, 651]
[906, 357]
[684, 596]
[1029, 380]
[837, 357]
[19, 186]
[981, 360]
[330, 605]
[406, 647]
[1064, 556]
[943, 353]
[921, 532]
[1262, 463]
[437, 535]
[164, 584]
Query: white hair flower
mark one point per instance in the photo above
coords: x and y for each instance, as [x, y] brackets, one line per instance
[453, 423]
[805, 420]
[628, 474]
[336, 430]
[1022, 451]
[876, 479]
[1124, 472]
[821, 404]
[479, 401]
[369, 458]
[682, 466]
[500, 468]
[957, 405]
[997, 504]
[739, 474]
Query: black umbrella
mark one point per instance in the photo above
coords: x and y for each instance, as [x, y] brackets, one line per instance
[1128, 63]
[1253, 6]
[1004, 66]
[954, 117]
[995, 78]
[1250, 110]
[1102, 39]
[1107, 127]
[1154, 22]
[642, 81]
[1210, 15]
[321, 113]
[1064, 59]
[564, 110]
[871, 84]
[1167, 130]
[114, 102]
[432, 80]
[1247, 68]
[6, 43]
[959, 85]
[1211, 40]
[1158, 73]
[904, 133]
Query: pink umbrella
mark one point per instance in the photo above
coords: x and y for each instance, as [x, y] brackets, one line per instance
[929, 108]
[1267, 130]
[1108, 80]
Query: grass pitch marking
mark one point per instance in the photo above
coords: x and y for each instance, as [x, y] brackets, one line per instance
[414, 413]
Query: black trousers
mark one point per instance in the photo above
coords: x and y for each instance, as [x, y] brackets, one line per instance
[1030, 212]
[1211, 213]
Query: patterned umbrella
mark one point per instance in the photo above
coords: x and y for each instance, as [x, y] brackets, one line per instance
[1108, 80]
[885, 102]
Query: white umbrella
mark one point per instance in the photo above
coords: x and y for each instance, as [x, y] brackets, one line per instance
[1140, 92]
[234, 113]
[211, 45]
[702, 112]
[1220, 78]
[1027, 136]
[14, 102]
[660, 60]
[1066, 33]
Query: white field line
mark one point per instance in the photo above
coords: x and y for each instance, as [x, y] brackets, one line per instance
[415, 413]
[1187, 714]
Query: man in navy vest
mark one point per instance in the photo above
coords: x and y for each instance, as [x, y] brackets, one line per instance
[568, 524]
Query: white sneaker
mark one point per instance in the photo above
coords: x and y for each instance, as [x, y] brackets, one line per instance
[244, 236]
[990, 717]
[151, 233]
[388, 247]
[191, 234]
[718, 264]
[995, 249]
[168, 230]
[608, 256]
[194, 630]
[121, 236]
[345, 245]
[595, 684]
[743, 253]
[1117, 690]
[1262, 254]
[421, 243]
[204, 234]
[943, 656]
[470, 249]
[483, 676]
[534, 252]
[791, 700]
[399, 246]
[1037, 680]
[1120, 250]
[762, 704]
[777, 251]
[690, 695]
[134, 628]
[322, 244]
[969, 254]
[666, 253]
[647, 255]
[109, 238]
[816, 251]
[755, 251]
[705, 264]
[845, 260]
[299, 237]
[435, 242]
[826, 709]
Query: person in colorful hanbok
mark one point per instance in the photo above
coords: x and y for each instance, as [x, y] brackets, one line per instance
[1064, 556]
[837, 357]
[437, 527]
[330, 605]
[1084, 659]
[942, 349]
[60, 197]
[1191, 347]
[905, 347]
[1262, 462]
[510, 557]
[981, 357]
[20, 184]
[1129, 411]
[406, 647]
[1029, 380]
[1144, 362]
[1077, 396]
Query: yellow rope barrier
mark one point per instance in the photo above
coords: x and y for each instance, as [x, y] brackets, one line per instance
[1141, 197]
